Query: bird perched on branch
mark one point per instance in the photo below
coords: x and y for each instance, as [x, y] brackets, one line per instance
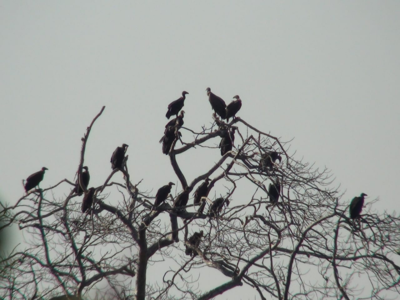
[226, 143]
[182, 198]
[194, 241]
[202, 191]
[274, 191]
[356, 206]
[217, 104]
[34, 179]
[268, 159]
[233, 107]
[118, 156]
[162, 194]
[88, 199]
[175, 106]
[217, 206]
[83, 181]
[177, 122]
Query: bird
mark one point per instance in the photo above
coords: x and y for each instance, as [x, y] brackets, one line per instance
[118, 156]
[162, 194]
[168, 138]
[194, 241]
[268, 159]
[175, 106]
[83, 181]
[274, 190]
[177, 122]
[87, 201]
[202, 191]
[233, 107]
[356, 206]
[217, 104]
[226, 143]
[217, 206]
[182, 198]
[34, 179]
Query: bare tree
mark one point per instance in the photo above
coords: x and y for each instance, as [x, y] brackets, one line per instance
[296, 244]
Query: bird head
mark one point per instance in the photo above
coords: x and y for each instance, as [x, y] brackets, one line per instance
[171, 183]
[227, 202]
[44, 168]
[182, 113]
[201, 233]
[125, 146]
[363, 195]
[207, 180]
[86, 168]
[236, 97]
[208, 89]
[184, 93]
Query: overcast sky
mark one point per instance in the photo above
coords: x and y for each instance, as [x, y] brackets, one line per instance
[323, 73]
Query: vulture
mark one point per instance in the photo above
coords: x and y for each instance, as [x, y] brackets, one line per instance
[175, 106]
[268, 159]
[356, 206]
[88, 200]
[217, 206]
[177, 122]
[217, 104]
[233, 107]
[274, 190]
[167, 139]
[182, 199]
[162, 194]
[118, 156]
[202, 191]
[83, 181]
[34, 179]
[194, 241]
[226, 143]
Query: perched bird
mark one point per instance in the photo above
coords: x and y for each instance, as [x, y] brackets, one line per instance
[217, 104]
[182, 198]
[34, 179]
[217, 206]
[83, 181]
[177, 122]
[233, 107]
[226, 143]
[168, 138]
[356, 206]
[268, 159]
[274, 191]
[194, 241]
[175, 106]
[88, 199]
[118, 156]
[202, 191]
[162, 194]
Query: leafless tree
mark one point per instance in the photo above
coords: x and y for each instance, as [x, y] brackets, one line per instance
[305, 246]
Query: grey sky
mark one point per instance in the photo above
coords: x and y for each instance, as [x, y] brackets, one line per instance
[324, 73]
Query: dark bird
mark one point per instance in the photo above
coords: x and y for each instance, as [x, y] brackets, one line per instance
[356, 206]
[177, 122]
[182, 198]
[274, 191]
[233, 107]
[202, 191]
[83, 181]
[162, 194]
[168, 138]
[88, 199]
[34, 179]
[226, 143]
[175, 106]
[118, 156]
[217, 104]
[217, 206]
[268, 159]
[194, 241]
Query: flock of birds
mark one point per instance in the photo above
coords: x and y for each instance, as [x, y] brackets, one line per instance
[225, 112]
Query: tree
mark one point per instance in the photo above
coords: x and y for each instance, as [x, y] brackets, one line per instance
[301, 246]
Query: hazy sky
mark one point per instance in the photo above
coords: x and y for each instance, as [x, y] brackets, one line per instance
[324, 73]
